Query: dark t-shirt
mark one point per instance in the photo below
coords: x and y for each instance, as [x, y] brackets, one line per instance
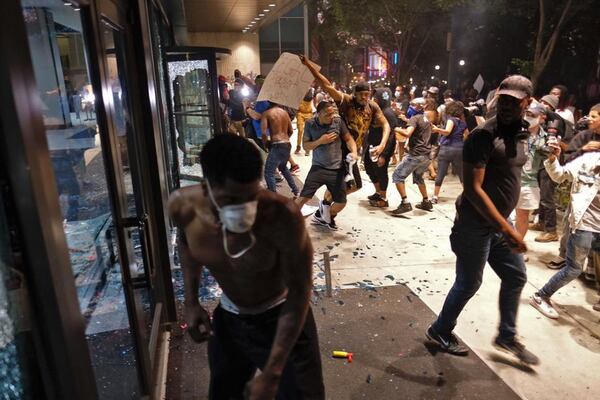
[376, 133]
[237, 106]
[419, 143]
[497, 149]
[357, 118]
[326, 155]
[455, 138]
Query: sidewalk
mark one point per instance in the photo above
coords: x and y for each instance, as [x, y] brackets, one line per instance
[372, 245]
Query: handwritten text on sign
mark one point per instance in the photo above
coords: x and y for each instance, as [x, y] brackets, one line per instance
[288, 81]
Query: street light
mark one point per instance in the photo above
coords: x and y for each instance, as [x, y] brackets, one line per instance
[461, 63]
[437, 67]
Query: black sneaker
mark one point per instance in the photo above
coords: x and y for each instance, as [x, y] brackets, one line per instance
[425, 205]
[332, 225]
[317, 219]
[402, 208]
[375, 196]
[448, 343]
[516, 348]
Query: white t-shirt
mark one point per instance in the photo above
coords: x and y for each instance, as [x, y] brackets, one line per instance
[567, 115]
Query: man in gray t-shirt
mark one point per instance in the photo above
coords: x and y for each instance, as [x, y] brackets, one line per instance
[323, 136]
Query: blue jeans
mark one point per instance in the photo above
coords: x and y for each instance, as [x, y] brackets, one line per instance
[449, 155]
[579, 245]
[278, 158]
[415, 165]
[474, 246]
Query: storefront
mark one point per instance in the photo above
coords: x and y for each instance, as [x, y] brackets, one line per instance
[88, 159]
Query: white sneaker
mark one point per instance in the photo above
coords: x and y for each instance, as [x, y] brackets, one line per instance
[543, 305]
[325, 210]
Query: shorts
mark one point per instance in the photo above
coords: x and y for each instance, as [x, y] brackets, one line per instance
[415, 165]
[333, 179]
[529, 198]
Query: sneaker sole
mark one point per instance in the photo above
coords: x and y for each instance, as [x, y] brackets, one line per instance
[505, 350]
[465, 353]
[535, 305]
[424, 209]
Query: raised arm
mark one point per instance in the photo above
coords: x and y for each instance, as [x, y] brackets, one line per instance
[335, 94]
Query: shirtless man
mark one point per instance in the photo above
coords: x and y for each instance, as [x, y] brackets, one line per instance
[277, 124]
[256, 246]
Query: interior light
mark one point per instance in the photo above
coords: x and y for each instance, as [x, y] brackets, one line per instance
[66, 3]
[272, 5]
[261, 15]
[266, 10]
[257, 19]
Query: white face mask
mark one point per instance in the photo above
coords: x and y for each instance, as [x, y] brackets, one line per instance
[236, 218]
[532, 121]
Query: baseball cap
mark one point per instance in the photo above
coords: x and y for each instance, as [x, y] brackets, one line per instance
[516, 86]
[433, 90]
[361, 87]
[551, 100]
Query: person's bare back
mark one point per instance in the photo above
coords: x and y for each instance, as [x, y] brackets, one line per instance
[278, 121]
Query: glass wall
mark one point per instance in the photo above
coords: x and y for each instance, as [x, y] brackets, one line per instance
[17, 356]
[60, 62]
[286, 34]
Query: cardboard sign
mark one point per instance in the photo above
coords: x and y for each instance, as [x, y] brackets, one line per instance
[288, 81]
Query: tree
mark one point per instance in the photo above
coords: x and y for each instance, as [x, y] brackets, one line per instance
[554, 17]
[390, 25]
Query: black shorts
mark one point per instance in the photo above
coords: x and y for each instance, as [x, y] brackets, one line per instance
[332, 178]
[242, 344]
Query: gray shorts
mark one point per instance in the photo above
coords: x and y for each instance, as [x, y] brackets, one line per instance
[415, 165]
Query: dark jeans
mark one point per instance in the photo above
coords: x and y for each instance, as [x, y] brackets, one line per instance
[474, 246]
[547, 214]
[242, 343]
[449, 155]
[278, 158]
[579, 246]
[376, 173]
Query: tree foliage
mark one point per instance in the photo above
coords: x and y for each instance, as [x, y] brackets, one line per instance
[390, 25]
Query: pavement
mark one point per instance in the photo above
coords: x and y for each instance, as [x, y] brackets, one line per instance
[375, 246]
[373, 250]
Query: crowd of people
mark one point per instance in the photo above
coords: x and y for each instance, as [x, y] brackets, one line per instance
[511, 152]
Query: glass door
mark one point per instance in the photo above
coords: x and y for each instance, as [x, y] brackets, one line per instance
[195, 109]
[92, 145]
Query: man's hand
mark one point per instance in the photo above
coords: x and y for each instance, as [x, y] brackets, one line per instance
[303, 59]
[591, 146]
[380, 161]
[554, 144]
[380, 149]
[328, 138]
[515, 241]
[262, 387]
[198, 322]
[354, 156]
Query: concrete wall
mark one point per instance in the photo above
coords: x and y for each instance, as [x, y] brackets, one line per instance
[245, 54]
